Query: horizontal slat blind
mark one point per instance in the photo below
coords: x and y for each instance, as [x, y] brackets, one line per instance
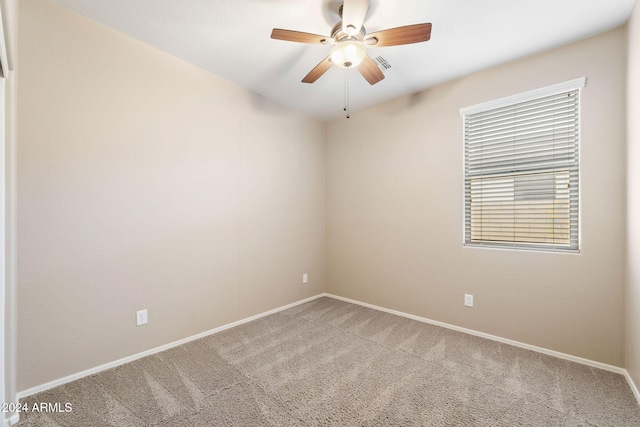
[521, 174]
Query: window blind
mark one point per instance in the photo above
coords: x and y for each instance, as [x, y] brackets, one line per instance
[522, 173]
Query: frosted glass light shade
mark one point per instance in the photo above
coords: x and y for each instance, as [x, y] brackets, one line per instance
[348, 54]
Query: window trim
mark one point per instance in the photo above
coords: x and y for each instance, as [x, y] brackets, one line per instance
[571, 85]
[525, 96]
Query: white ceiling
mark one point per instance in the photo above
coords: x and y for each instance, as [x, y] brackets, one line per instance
[231, 38]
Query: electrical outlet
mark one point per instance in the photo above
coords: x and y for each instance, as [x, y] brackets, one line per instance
[468, 300]
[141, 317]
[305, 278]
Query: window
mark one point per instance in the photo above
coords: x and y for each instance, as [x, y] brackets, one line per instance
[521, 166]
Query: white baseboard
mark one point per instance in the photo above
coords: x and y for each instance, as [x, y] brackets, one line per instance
[548, 352]
[11, 421]
[583, 361]
[73, 377]
[634, 389]
[14, 419]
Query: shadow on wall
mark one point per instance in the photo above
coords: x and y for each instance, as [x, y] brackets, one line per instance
[277, 75]
[265, 105]
[429, 100]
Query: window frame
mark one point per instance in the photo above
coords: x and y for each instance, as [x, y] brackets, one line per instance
[568, 86]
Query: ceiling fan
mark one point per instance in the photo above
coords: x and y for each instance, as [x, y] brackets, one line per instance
[350, 41]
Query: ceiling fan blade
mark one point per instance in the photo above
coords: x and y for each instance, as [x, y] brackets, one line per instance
[318, 70]
[298, 36]
[401, 35]
[370, 71]
[353, 14]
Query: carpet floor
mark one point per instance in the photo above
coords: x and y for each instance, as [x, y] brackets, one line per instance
[331, 363]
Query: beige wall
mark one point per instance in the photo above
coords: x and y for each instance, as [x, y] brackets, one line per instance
[395, 211]
[145, 182]
[633, 197]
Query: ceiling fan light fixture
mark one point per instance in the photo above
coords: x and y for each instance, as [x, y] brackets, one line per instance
[348, 53]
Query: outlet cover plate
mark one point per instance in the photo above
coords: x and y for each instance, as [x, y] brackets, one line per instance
[141, 317]
[468, 300]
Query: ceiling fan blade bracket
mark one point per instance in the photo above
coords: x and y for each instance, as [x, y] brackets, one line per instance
[353, 13]
[407, 34]
[370, 41]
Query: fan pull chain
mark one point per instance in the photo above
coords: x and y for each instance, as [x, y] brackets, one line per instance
[346, 92]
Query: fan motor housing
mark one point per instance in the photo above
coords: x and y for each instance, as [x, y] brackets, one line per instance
[338, 34]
